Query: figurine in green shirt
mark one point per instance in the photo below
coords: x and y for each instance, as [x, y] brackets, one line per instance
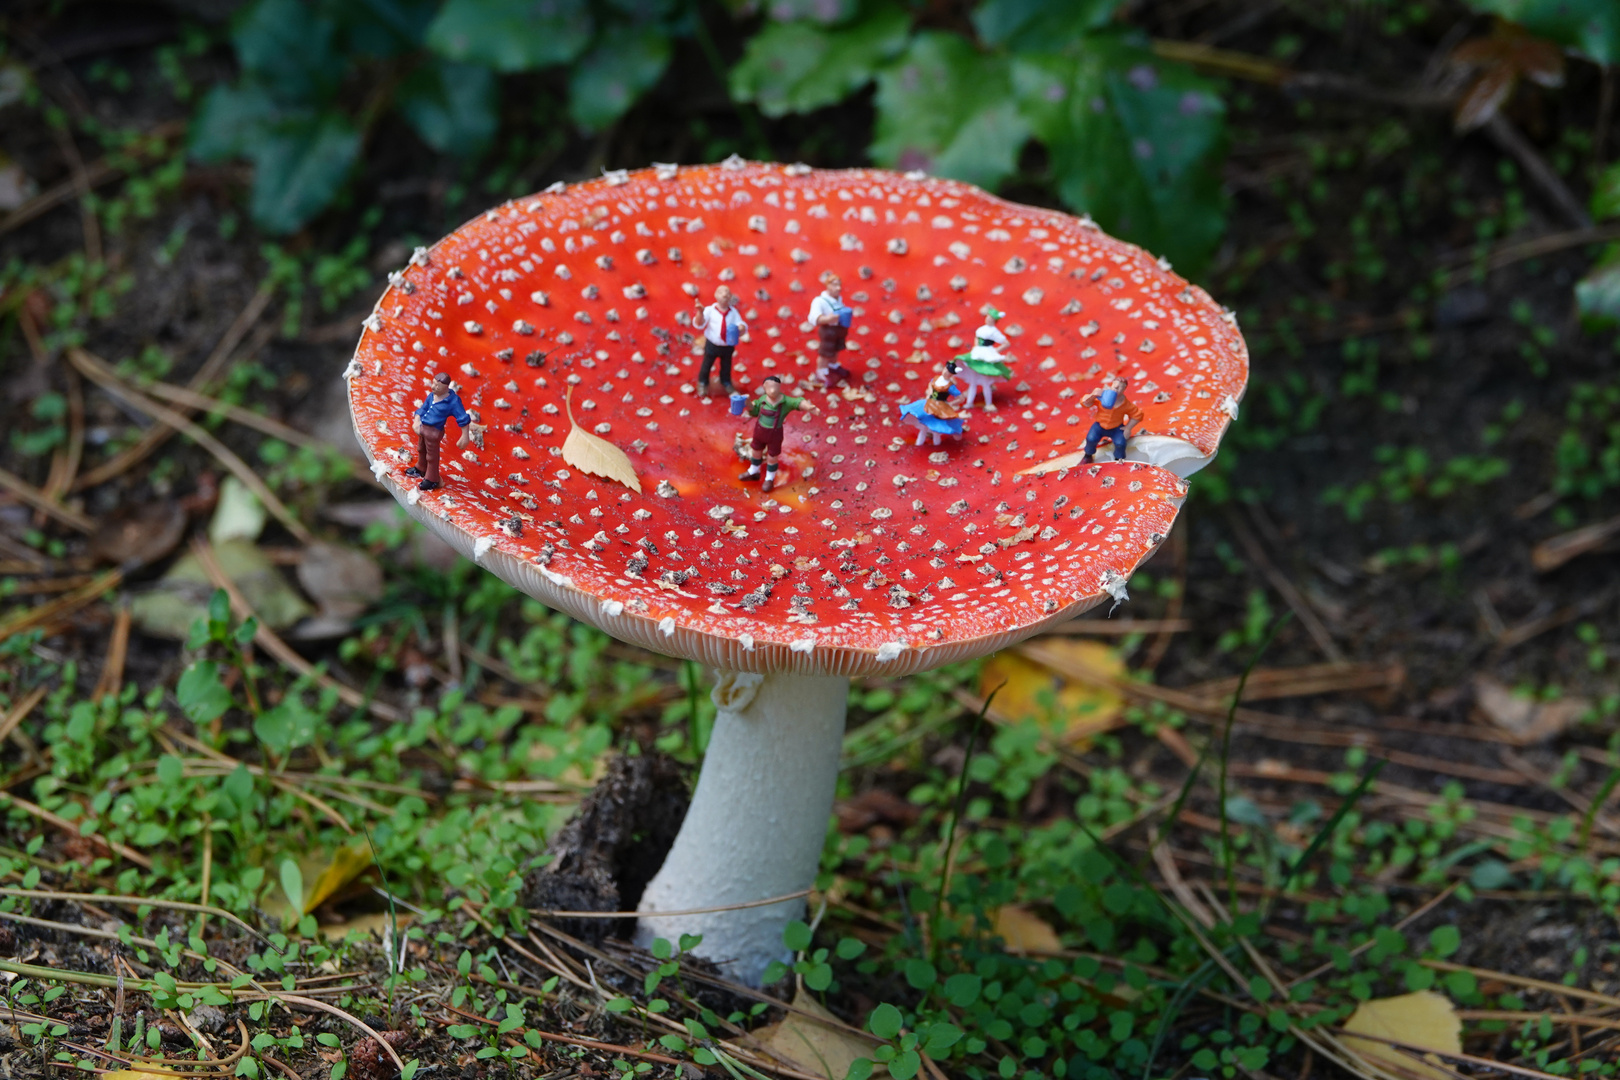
[770, 411]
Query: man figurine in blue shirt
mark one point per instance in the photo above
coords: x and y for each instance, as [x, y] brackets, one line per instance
[431, 416]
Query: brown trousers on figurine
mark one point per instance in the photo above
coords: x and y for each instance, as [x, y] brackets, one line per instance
[831, 342]
[427, 452]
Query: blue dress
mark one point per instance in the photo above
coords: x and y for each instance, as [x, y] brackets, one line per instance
[918, 411]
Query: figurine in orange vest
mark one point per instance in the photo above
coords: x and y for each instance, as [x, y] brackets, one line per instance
[1115, 415]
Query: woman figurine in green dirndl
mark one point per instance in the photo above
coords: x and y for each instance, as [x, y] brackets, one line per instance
[985, 364]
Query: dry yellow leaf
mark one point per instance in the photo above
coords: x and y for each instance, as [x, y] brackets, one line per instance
[1075, 710]
[347, 863]
[1026, 932]
[139, 1074]
[805, 1043]
[1425, 1019]
[594, 454]
[324, 876]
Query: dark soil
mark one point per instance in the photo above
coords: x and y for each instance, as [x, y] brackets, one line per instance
[604, 857]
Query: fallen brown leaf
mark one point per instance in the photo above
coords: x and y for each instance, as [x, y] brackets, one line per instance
[139, 534]
[1500, 61]
[1526, 720]
[1025, 932]
[809, 1045]
[1076, 708]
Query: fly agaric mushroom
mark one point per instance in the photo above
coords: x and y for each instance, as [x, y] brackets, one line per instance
[874, 556]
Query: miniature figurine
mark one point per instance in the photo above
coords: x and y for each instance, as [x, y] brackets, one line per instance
[935, 413]
[431, 416]
[988, 334]
[831, 320]
[983, 367]
[1115, 415]
[722, 328]
[769, 411]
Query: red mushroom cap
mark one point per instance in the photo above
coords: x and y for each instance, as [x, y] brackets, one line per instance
[873, 556]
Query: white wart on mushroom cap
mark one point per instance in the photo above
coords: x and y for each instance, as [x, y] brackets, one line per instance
[874, 555]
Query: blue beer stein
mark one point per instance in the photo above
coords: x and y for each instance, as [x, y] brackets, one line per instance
[738, 403]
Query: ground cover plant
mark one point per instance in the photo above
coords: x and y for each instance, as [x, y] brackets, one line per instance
[277, 771]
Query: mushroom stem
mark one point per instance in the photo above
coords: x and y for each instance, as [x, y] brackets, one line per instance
[757, 822]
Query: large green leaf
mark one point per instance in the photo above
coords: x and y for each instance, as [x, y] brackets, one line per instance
[286, 47]
[625, 63]
[1040, 25]
[511, 35]
[201, 694]
[385, 27]
[452, 106]
[1606, 194]
[299, 166]
[1134, 141]
[1590, 27]
[800, 66]
[286, 727]
[825, 12]
[1597, 295]
[231, 119]
[948, 109]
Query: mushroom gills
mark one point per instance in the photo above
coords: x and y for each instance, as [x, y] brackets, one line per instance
[757, 822]
[1168, 452]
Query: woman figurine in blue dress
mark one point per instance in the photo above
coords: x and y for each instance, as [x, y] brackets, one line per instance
[935, 413]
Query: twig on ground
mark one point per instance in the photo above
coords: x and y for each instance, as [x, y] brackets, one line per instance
[36, 498]
[1428, 905]
[1502, 132]
[1224, 62]
[312, 1003]
[1308, 680]
[575, 1040]
[160, 432]
[94, 175]
[135, 901]
[1450, 1055]
[1555, 551]
[1285, 588]
[111, 680]
[670, 914]
[67, 826]
[191, 399]
[65, 463]
[1546, 783]
[1282, 728]
[98, 372]
[1517, 635]
[1161, 643]
[1520, 250]
[62, 606]
[19, 712]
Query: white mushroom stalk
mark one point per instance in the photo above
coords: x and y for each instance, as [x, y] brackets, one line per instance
[757, 822]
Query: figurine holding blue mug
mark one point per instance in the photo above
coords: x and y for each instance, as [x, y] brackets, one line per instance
[1115, 415]
[832, 319]
[722, 329]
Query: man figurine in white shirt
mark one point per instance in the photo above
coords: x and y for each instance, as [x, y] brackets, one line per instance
[831, 319]
[722, 328]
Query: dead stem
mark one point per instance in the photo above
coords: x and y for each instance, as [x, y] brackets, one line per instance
[210, 369]
[98, 372]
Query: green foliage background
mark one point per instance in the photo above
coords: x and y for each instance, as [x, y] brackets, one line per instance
[1132, 139]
